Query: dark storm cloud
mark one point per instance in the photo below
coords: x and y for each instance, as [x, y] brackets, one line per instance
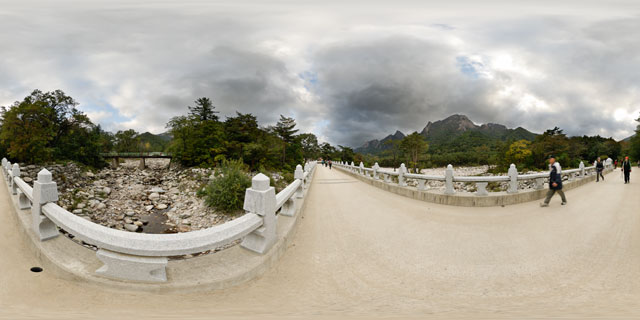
[240, 80]
[395, 83]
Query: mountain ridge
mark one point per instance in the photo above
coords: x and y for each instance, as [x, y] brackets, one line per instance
[442, 131]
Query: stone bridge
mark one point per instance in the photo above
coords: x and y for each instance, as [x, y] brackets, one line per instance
[353, 248]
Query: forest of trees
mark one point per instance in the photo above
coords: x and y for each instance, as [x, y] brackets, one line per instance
[47, 127]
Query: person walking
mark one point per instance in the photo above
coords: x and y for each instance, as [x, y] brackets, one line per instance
[626, 168]
[599, 169]
[555, 182]
[330, 163]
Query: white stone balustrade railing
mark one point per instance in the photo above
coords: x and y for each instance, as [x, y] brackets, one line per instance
[144, 257]
[481, 182]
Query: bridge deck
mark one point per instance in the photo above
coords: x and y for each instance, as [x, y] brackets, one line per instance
[363, 251]
[137, 155]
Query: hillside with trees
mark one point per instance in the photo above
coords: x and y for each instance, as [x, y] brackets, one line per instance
[457, 140]
[46, 127]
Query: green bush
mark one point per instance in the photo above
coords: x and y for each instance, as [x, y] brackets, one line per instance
[288, 177]
[226, 191]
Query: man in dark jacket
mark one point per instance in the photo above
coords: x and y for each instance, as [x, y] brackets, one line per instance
[555, 182]
[599, 169]
[626, 168]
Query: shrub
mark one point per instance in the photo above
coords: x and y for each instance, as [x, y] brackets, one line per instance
[226, 191]
[288, 177]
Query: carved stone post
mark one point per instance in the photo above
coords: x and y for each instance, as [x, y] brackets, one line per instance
[44, 191]
[15, 173]
[4, 167]
[7, 172]
[260, 199]
[299, 175]
[582, 173]
[448, 180]
[353, 167]
[401, 172]
[376, 167]
[513, 179]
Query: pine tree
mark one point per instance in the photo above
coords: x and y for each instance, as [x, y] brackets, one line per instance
[204, 110]
[285, 130]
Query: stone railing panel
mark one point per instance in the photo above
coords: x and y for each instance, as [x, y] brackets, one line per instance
[512, 178]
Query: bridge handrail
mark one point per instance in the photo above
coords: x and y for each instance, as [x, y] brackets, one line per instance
[155, 245]
[261, 205]
[449, 178]
[422, 176]
[24, 187]
[286, 193]
[480, 178]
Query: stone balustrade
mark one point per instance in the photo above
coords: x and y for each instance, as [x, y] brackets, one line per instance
[481, 182]
[144, 257]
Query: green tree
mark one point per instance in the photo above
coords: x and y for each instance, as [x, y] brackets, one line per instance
[519, 153]
[551, 142]
[46, 126]
[327, 150]
[310, 147]
[242, 137]
[634, 144]
[346, 154]
[127, 141]
[285, 130]
[204, 110]
[414, 147]
[394, 151]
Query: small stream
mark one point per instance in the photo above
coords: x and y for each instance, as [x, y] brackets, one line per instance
[155, 222]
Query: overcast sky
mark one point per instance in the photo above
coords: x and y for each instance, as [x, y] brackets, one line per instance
[346, 71]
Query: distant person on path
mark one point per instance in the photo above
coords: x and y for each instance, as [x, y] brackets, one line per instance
[626, 168]
[599, 169]
[330, 163]
[555, 182]
[615, 164]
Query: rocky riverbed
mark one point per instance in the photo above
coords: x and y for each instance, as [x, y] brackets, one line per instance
[153, 200]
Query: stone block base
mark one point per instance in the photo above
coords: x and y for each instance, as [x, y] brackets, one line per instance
[128, 267]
